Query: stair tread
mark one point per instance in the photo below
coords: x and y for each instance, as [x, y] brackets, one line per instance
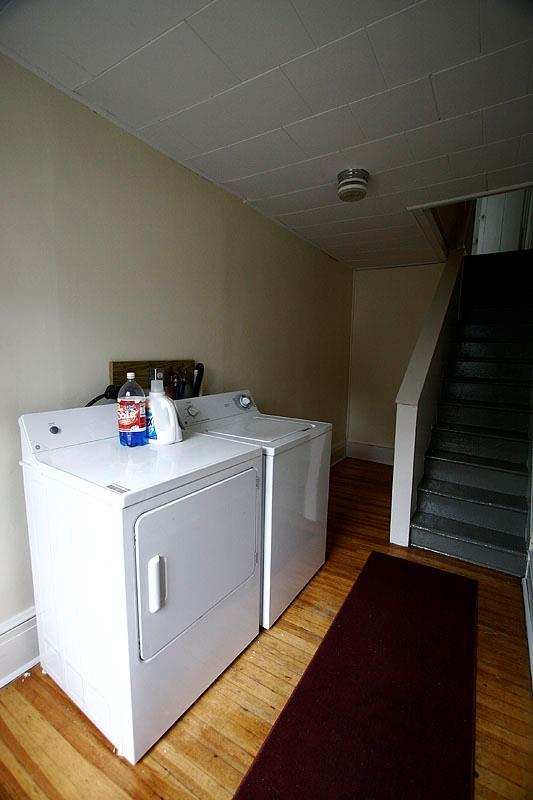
[452, 401]
[473, 494]
[490, 360]
[477, 340]
[478, 461]
[486, 381]
[476, 430]
[486, 537]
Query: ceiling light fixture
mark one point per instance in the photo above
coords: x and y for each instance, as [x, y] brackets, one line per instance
[352, 184]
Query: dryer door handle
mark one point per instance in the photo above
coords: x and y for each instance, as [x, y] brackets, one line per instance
[157, 583]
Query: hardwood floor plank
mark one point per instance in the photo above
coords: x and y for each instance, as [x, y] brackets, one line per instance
[49, 750]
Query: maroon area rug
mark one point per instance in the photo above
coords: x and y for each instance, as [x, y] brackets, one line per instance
[385, 710]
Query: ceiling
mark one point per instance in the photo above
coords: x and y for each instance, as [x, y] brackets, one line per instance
[272, 98]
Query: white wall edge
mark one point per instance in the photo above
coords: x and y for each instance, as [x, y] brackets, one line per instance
[418, 396]
[370, 452]
[528, 605]
[338, 453]
[19, 649]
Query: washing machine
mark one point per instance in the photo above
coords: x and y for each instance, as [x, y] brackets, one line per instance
[296, 461]
[145, 566]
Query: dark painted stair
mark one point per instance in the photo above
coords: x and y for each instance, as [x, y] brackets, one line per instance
[472, 500]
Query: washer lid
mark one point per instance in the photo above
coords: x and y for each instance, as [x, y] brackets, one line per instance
[259, 428]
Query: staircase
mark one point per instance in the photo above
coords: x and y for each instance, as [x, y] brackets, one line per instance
[472, 500]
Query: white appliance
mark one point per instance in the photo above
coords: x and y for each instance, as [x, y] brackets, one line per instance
[145, 565]
[296, 460]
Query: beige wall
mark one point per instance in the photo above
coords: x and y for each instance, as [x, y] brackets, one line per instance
[388, 311]
[111, 250]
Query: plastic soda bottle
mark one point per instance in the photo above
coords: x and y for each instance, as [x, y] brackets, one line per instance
[131, 411]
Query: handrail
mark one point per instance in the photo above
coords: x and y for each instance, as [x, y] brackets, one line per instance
[418, 396]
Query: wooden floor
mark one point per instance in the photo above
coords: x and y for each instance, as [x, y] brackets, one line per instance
[49, 750]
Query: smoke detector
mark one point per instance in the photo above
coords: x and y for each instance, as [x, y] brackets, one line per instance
[352, 184]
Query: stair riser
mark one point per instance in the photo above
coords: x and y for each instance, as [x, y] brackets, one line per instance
[487, 392]
[485, 417]
[501, 370]
[497, 314]
[466, 349]
[482, 446]
[470, 475]
[521, 332]
[501, 519]
[511, 563]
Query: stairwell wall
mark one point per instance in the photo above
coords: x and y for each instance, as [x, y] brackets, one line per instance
[388, 311]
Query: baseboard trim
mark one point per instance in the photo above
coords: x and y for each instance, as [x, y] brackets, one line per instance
[528, 606]
[19, 649]
[370, 452]
[338, 453]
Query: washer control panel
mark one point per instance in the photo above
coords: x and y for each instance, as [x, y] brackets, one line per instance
[195, 411]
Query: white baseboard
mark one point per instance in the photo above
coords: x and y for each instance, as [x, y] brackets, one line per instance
[19, 649]
[338, 452]
[370, 452]
[527, 588]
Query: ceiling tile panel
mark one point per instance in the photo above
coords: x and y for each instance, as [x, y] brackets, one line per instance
[367, 241]
[421, 173]
[163, 138]
[298, 201]
[251, 156]
[458, 187]
[96, 34]
[327, 20]
[23, 34]
[405, 107]
[291, 178]
[249, 109]
[508, 119]
[485, 81]
[446, 136]
[379, 155]
[379, 262]
[336, 73]
[320, 196]
[373, 156]
[150, 84]
[504, 23]
[251, 36]
[426, 37]
[371, 223]
[510, 176]
[525, 152]
[389, 204]
[485, 158]
[326, 132]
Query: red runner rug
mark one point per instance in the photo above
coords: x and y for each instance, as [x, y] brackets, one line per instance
[385, 709]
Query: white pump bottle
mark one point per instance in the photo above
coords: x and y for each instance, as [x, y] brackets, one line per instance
[161, 417]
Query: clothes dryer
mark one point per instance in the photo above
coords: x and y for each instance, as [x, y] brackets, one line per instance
[145, 566]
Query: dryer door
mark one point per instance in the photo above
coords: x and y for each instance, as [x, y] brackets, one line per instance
[192, 553]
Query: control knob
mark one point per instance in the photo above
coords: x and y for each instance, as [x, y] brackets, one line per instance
[192, 411]
[245, 401]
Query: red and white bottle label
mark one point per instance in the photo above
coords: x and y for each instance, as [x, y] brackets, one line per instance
[131, 415]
